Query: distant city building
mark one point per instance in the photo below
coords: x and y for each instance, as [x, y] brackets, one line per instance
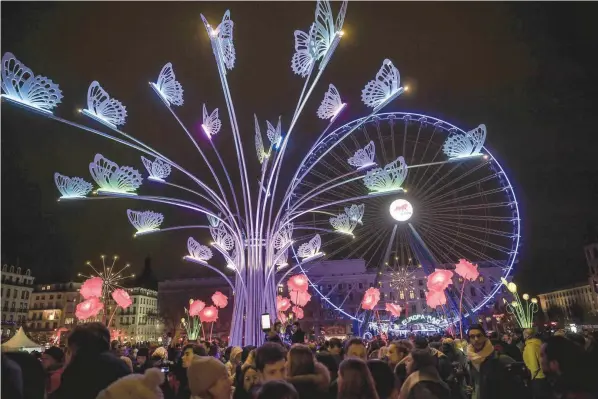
[52, 306]
[16, 290]
[591, 251]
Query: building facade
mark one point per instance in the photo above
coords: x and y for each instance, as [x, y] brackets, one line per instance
[51, 307]
[140, 322]
[16, 289]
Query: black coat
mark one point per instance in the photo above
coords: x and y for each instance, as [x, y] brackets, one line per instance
[88, 374]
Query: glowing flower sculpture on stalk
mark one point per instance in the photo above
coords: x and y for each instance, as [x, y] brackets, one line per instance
[468, 271]
[298, 312]
[439, 280]
[89, 308]
[435, 299]
[300, 298]
[195, 307]
[219, 299]
[92, 288]
[394, 309]
[122, 298]
[298, 282]
[282, 304]
[209, 314]
[370, 298]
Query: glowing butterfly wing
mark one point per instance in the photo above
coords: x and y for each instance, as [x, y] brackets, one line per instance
[325, 29]
[225, 39]
[340, 18]
[283, 237]
[304, 57]
[211, 122]
[110, 176]
[222, 238]
[168, 85]
[274, 134]
[145, 221]
[342, 223]
[397, 171]
[101, 105]
[331, 104]
[157, 169]
[458, 145]
[19, 83]
[101, 169]
[72, 187]
[355, 213]
[214, 222]
[198, 251]
[259, 144]
[310, 248]
[384, 86]
[478, 137]
[364, 156]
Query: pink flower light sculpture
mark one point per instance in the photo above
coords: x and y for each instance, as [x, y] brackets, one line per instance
[298, 282]
[439, 280]
[196, 307]
[92, 287]
[300, 298]
[88, 308]
[282, 304]
[467, 270]
[370, 298]
[219, 299]
[209, 314]
[435, 299]
[298, 312]
[122, 298]
[394, 309]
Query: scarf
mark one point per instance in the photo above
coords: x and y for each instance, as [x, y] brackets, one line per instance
[477, 358]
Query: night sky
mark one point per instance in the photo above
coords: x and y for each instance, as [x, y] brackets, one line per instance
[526, 70]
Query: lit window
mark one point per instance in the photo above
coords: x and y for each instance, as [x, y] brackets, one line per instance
[402, 295]
[411, 295]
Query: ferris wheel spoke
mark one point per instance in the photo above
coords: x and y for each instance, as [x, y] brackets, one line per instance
[485, 193]
[439, 211]
[424, 156]
[427, 194]
[474, 217]
[461, 188]
[484, 230]
[421, 125]
[366, 238]
[440, 247]
[371, 241]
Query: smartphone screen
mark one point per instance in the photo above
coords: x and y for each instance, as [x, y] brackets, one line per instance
[266, 322]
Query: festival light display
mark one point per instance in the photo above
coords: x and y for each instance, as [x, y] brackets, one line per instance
[523, 311]
[262, 231]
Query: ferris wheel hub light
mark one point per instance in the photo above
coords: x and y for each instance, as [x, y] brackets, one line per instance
[401, 210]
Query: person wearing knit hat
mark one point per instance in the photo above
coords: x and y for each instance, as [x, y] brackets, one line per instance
[208, 378]
[136, 386]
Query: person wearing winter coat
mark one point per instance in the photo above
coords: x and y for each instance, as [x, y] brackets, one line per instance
[310, 378]
[531, 357]
[423, 380]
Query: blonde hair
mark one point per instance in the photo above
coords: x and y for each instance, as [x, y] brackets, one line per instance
[128, 362]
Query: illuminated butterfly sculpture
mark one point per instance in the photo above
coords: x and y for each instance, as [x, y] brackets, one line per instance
[254, 233]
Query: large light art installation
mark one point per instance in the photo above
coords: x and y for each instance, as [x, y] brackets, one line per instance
[260, 231]
[523, 312]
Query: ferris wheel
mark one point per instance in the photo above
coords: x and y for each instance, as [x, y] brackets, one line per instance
[405, 191]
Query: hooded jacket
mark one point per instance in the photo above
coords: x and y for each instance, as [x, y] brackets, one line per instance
[531, 357]
[312, 386]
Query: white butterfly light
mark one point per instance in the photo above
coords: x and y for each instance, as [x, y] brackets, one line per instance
[223, 35]
[343, 224]
[102, 108]
[310, 250]
[259, 144]
[214, 222]
[282, 260]
[168, 87]
[355, 213]
[113, 178]
[222, 238]
[211, 123]
[327, 31]
[145, 221]
[284, 236]
[198, 253]
[233, 260]
[384, 88]
[332, 104]
[274, 134]
[20, 85]
[388, 179]
[158, 170]
[305, 52]
[465, 145]
[72, 187]
[364, 157]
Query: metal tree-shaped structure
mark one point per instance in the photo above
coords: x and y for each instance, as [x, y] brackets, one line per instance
[254, 233]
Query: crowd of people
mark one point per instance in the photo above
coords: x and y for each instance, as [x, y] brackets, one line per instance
[481, 366]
